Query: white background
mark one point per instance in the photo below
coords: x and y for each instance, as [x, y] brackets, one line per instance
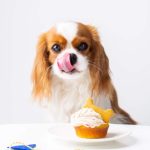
[124, 27]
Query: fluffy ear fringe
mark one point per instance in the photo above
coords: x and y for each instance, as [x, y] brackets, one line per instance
[100, 69]
[41, 71]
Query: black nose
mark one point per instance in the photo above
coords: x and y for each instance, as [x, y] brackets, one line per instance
[73, 58]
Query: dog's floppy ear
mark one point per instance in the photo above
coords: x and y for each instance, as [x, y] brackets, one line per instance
[41, 70]
[99, 66]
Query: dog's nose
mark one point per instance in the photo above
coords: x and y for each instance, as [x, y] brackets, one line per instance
[73, 58]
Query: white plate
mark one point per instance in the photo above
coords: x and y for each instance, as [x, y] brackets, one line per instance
[65, 132]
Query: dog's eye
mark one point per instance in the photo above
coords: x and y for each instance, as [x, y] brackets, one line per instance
[82, 46]
[56, 48]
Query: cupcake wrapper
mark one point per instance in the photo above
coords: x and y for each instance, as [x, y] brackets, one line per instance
[87, 132]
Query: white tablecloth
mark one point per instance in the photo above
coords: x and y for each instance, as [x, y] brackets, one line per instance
[38, 134]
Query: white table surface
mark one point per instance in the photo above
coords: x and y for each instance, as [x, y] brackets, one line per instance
[38, 134]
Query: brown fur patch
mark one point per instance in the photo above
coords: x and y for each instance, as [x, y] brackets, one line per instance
[45, 57]
[41, 70]
[54, 38]
[98, 61]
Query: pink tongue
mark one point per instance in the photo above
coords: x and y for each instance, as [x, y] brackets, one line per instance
[64, 63]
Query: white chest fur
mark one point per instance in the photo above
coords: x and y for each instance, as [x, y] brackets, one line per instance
[68, 96]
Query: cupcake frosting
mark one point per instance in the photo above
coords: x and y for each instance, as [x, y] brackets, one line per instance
[86, 117]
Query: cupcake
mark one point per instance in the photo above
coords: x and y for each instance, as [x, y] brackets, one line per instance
[91, 121]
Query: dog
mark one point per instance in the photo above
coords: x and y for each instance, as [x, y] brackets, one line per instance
[70, 66]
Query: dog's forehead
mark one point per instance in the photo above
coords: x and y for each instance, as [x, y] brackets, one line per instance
[68, 30]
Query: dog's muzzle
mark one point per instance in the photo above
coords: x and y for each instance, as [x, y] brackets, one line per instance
[66, 62]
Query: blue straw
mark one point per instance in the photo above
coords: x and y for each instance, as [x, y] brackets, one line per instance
[23, 147]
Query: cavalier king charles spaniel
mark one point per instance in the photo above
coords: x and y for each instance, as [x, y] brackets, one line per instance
[70, 66]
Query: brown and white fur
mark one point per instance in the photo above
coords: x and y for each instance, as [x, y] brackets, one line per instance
[67, 91]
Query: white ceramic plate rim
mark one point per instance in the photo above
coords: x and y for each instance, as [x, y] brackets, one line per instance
[124, 130]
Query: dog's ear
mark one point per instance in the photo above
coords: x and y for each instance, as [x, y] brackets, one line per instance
[99, 63]
[41, 70]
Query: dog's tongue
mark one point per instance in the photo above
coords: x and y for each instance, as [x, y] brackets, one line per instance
[64, 63]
